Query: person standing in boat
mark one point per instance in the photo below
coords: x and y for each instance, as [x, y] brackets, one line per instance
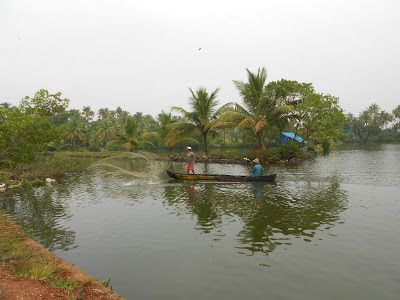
[257, 170]
[190, 160]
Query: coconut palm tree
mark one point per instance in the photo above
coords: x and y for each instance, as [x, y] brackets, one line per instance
[87, 113]
[396, 116]
[204, 117]
[354, 125]
[171, 138]
[92, 138]
[75, 131]
[260, 111]
[384, 118]
[366, 120]
[121, 115]
[131, 136]
[106, 129]
[58, 145]
[373, 109]
[103, 113]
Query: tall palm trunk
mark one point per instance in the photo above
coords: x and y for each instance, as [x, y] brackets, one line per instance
[206, 144]
[261, 145]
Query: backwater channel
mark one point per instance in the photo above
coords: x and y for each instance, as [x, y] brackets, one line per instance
[327, 228]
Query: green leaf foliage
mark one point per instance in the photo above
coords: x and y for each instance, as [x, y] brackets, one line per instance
[26, 129]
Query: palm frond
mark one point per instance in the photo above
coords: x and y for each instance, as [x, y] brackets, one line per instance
[223, 125]
[181, 126]
[246, 123]
[127, 146]
[179, 138]
[260, 125]
[114, 143]
[150, 135]
[179, 109]
[147, 143]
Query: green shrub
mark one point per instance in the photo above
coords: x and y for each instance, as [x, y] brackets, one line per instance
[50, 166]
[66, 284]
[35, 183]
[310, 147]
[94, 148]
[286, 152]
[326, 145]
[59, 164]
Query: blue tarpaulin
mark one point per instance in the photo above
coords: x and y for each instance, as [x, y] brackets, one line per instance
[289, 136]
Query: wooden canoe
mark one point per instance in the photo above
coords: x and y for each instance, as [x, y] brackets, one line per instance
[220, 177]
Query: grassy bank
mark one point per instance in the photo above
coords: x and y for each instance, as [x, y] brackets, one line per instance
[27, 267]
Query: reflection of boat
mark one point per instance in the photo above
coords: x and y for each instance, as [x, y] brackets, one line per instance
[220, 177]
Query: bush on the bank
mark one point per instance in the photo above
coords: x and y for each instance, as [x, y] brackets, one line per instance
[27, 129]
[94, 148]
[51, 166]
[35, 183]
[326, 145]
[310, 147]
[286, 152]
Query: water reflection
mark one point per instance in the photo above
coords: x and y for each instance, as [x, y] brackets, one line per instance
[271, 214]
[42, 215]
[279, 218]
[257, 188]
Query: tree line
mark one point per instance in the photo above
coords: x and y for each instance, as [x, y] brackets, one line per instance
[373, 124]
[43, 122]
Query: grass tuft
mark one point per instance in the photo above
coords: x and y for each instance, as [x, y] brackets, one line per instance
[39, 271]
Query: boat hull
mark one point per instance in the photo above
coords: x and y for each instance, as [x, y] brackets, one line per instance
[221, 177]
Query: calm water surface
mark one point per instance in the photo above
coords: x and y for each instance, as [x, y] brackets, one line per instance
[328, 228]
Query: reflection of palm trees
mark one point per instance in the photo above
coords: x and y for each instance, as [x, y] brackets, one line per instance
[200, 202]
[40, 217]
[272, 214]
[269, 225]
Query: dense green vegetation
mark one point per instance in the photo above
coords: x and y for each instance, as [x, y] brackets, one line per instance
[43, 123]
[373, 124]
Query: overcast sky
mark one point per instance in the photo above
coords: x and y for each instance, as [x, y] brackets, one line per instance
[143, 55]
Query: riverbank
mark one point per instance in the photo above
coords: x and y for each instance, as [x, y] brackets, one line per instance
[233, 160]
[29, 271]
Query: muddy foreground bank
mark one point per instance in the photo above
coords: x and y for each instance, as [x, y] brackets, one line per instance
[29, 271]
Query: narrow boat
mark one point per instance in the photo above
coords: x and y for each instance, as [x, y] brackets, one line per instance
[220, 177]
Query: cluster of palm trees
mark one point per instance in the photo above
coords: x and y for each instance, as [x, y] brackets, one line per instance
[259, 113]
[111, 129]
[374, 123]
[266, 110]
